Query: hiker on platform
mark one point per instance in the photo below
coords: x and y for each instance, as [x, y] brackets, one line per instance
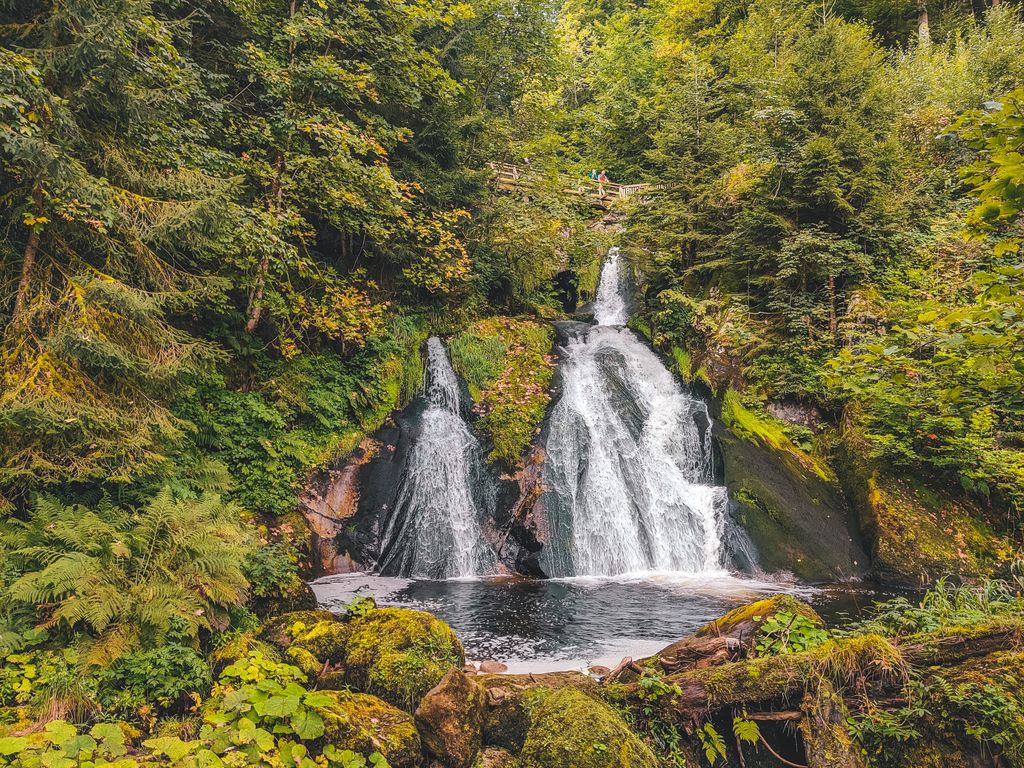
[601, 180]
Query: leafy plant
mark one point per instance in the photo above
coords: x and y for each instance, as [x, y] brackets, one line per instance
[788, 632]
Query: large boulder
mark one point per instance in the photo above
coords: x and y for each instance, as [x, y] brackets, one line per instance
[326, 640]
[399, 654]
[365, 724]
[916, 533]
[450, 719]
[570, 729]
[494, 757]
[512, 698]
[789, 502]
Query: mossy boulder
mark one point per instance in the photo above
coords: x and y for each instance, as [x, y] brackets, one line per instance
[326, 640]
[450, 719]
[238, 648]
[512, 698]
[917, 534]
[399, 654]
[282, 630]
[495, 757]
[306, 661]
[570, 729]
[365, 724]
[788, 501]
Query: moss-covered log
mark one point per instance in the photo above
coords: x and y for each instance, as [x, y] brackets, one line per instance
[881, 664]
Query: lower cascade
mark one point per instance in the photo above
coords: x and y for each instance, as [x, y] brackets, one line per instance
[434, 530]
[629, 477]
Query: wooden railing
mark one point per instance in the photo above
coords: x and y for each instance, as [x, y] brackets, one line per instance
[604, 193]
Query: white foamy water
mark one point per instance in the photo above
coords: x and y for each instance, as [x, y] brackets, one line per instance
[628, 478]
[434, 530]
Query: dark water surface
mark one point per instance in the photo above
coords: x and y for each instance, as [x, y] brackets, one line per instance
[534, 625]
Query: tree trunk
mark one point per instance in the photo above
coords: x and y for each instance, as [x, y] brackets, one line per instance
[255, 311]
[924, 34]
[28, 261]
[833, 322]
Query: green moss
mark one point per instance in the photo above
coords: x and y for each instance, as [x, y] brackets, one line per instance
[366, 724]
[919, 536]
[238, 648]
[507, 366]
[306, 661]
[326, 640]
[400, 654]
[745, 614]
[282, 630]
[766, 431]
[571, 730]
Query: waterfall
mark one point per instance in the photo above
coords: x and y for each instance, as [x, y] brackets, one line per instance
[434, 530]
[629, 477]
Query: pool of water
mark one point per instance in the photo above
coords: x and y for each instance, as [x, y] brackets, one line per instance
[558, 624]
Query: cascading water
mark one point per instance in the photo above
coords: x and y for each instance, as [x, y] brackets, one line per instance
[434, 530]
[628, 478]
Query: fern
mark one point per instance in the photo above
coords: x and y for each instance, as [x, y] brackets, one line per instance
[124, 577]
[746, 730]
[712, 742]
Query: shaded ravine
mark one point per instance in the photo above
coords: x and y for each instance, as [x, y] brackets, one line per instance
[435, 528]
[629, 476]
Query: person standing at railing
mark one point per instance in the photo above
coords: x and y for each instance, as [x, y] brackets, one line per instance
[601, 181]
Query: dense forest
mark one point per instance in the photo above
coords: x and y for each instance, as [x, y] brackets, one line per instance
[229, 228]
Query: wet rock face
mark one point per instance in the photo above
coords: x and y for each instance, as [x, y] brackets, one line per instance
[798, 521]
[450, 718]
[527, 523]
[331, 502]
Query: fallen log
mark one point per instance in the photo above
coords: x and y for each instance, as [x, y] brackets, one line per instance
[882, 664]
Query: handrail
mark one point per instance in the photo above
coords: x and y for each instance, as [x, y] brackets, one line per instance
[514, 176]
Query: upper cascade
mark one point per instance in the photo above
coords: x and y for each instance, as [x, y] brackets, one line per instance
[629, 477]
[610, 307]
[435, 529]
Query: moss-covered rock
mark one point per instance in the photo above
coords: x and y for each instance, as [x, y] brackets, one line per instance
[788, 501]
[326, 640]
[399, 654]
[238, 648]
[917, 534]
[494, 757]
[507, 365]
[450, 719]
[306, 661]
[365, 724]
[570, 729]
[512, 698]
[282, 630]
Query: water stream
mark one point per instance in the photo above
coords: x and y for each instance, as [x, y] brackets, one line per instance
[629, 477]
[434, 530]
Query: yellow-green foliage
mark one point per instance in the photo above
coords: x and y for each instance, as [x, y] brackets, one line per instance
[400, 654]
[507, 365]
[764, 430]
[571, 730]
